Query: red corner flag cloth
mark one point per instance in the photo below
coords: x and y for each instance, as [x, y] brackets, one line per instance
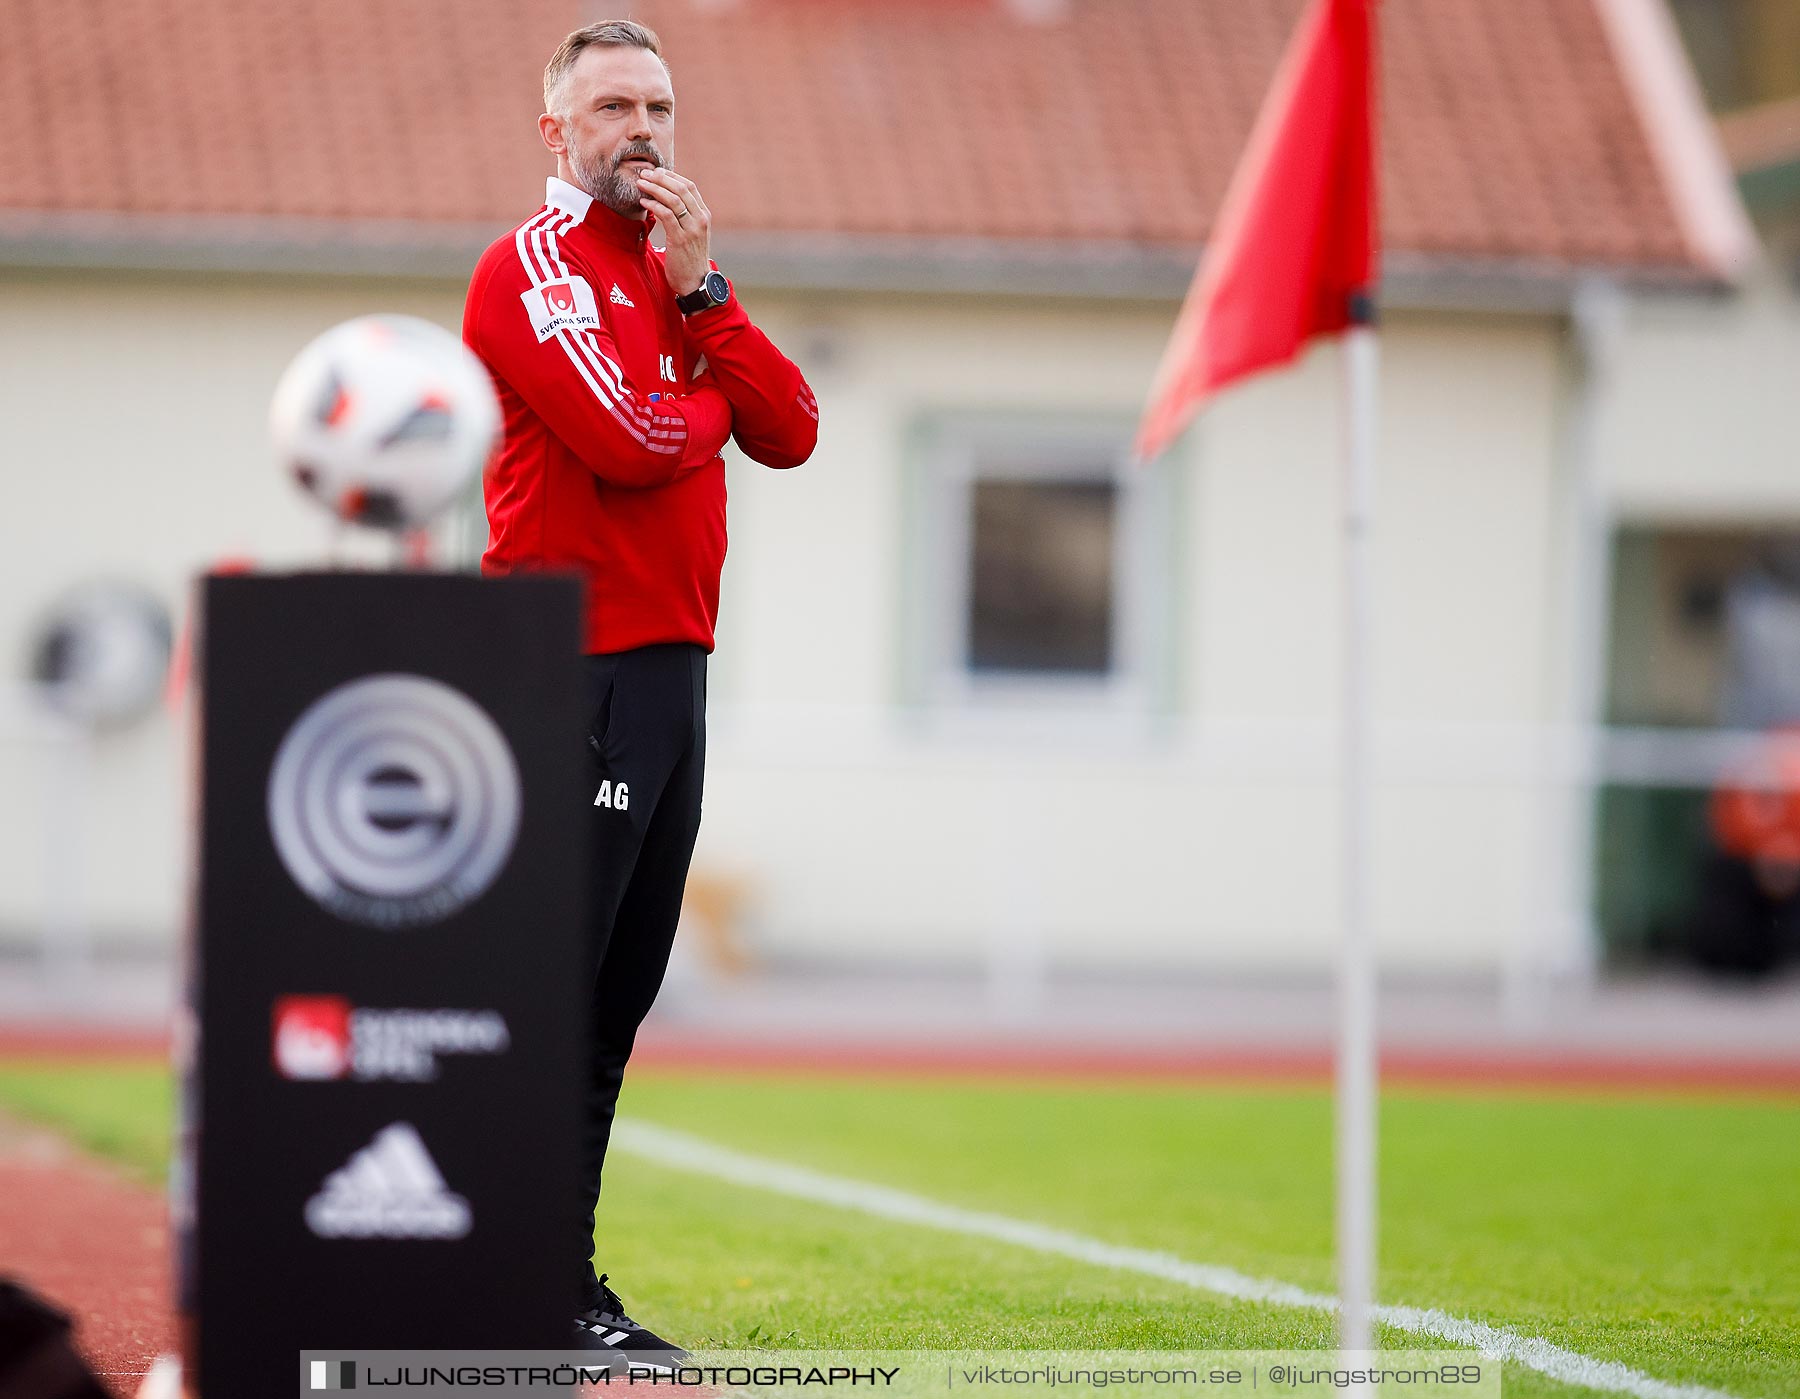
[1295, 239]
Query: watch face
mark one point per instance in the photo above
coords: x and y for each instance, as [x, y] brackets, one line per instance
[718, 290]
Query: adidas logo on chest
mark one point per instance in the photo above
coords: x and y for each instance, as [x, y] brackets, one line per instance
[618, 298]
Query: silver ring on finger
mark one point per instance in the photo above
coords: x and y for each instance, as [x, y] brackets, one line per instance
[682, 214]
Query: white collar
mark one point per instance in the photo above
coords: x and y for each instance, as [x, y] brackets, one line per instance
[560, 194]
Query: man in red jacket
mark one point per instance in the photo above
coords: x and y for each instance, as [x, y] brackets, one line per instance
[622, 369]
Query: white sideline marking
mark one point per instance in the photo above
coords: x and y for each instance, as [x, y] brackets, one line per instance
[689, 1153]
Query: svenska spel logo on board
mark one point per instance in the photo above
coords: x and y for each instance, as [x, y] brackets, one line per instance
[312, 1037]
[322, 1038]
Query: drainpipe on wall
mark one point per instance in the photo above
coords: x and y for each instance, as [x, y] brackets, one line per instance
[1560, 947]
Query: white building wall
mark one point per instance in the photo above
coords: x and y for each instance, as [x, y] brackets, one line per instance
[1701, 418]
[873, 829]
[133, 433]
[133, 430]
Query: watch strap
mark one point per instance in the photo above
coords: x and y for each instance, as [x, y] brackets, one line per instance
[702, 298]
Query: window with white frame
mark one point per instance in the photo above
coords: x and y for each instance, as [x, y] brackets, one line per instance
[1042, 561]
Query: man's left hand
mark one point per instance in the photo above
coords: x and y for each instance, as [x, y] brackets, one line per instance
[686, 225]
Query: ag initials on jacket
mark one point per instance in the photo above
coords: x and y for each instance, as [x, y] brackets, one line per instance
[615, 795]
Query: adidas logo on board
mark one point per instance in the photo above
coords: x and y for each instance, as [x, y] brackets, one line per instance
[391, 1189]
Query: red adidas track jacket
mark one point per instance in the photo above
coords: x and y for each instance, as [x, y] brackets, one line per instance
[610, 464]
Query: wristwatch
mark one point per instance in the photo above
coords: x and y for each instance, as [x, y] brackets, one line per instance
[713, 291]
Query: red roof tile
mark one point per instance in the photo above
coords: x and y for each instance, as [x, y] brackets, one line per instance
[1508, 131]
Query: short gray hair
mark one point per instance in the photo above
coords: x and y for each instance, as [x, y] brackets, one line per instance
[606, 33]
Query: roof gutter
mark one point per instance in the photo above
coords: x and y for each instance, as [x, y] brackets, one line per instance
[245, 245]
[1135, 272]
[833, 263]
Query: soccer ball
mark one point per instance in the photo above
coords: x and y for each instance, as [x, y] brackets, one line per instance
[384, 420]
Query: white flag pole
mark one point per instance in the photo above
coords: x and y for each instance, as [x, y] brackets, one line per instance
[1357, 1088]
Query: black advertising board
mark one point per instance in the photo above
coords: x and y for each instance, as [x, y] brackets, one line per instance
[380, 1122]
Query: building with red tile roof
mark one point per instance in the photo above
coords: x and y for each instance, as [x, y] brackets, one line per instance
[969, 221]
[1516, 135]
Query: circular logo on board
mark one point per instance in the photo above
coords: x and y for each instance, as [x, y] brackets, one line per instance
[394, 801]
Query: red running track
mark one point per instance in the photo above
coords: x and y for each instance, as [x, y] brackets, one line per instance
[1523, 1069]
[93, 1242]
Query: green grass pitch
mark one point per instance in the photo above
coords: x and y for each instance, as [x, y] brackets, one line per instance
[1659, 1231]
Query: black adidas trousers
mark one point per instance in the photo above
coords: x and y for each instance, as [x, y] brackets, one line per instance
[646, 755]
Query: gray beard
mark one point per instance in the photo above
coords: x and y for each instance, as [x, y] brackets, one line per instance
[607, 182]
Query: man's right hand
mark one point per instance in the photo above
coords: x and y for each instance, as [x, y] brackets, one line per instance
[686, 225]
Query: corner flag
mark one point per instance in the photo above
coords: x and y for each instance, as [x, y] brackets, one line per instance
[1293, 256]
[1295, 242]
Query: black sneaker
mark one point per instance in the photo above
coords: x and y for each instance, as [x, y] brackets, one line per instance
[603, 1326]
